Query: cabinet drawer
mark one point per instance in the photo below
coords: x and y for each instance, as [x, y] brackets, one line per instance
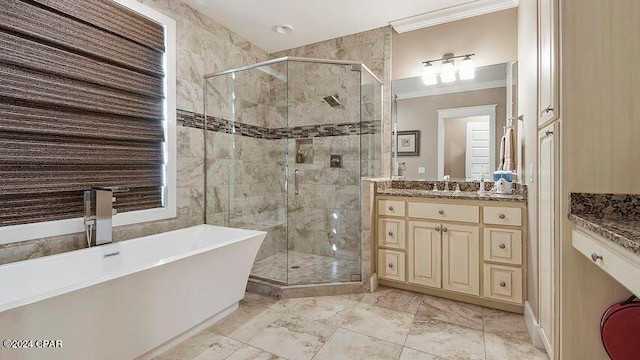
[444, 212]
[503, 283]
[503, 245]
[391, 233]
[391, 265]
[502, 216]
[614, 260]
[391, 207]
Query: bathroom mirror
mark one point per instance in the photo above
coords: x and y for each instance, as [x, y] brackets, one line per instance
[460, 124]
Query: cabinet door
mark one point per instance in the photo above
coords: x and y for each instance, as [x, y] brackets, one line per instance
[461, 258]
[547, 232]
[547, 61]
[425, 253]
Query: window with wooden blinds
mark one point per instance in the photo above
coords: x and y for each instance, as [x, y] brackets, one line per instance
[82, 105]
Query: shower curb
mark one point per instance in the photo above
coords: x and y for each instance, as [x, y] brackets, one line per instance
[295, 291]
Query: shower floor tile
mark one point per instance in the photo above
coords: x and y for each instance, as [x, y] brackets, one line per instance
[305, 268]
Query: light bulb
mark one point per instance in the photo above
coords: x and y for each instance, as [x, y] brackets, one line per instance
[448, 73]
[467, 71]
[429, 75]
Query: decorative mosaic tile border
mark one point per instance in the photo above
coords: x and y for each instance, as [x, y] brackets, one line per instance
[195, 120]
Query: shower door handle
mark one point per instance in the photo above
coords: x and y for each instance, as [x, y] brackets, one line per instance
[295, 180]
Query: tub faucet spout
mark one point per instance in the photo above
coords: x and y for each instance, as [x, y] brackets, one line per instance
[98, 215]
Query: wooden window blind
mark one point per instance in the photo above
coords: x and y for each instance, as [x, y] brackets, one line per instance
[81, 106]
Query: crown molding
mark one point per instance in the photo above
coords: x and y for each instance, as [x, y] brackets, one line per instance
[459, 12]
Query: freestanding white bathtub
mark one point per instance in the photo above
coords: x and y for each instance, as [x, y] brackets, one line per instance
[124, 300]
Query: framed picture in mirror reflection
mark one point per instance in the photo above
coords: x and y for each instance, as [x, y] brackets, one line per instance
[408, 143]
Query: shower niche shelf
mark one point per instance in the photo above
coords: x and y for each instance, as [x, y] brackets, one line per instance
[304, 151]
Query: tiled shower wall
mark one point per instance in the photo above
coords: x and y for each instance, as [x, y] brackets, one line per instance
[203, 47]
[373, 48]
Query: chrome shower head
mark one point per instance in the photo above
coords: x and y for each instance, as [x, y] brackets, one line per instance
[333, 100]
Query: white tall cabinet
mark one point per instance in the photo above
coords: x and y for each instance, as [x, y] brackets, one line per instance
[548, 85]
[547, 231]
[548, 174]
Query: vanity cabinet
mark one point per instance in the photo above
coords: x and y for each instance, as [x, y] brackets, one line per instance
[465, 250]
[548, 84]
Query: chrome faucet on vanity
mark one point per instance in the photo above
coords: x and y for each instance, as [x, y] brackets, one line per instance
[98, 215]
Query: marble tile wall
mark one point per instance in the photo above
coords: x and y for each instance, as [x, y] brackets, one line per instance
[326, 210]
[309, 83]
[203, 47]
[373, 48]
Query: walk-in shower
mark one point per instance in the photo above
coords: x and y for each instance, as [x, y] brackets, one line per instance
[279, 159]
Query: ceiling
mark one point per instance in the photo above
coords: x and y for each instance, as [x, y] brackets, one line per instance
[317, 20]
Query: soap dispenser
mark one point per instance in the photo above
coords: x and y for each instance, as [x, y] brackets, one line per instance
[481, 191]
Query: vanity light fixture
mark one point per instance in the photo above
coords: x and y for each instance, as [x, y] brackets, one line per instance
[448, 70]
[429, 74]
[467, 71]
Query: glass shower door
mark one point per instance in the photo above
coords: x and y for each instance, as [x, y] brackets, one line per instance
[324, 173]
[246, 159]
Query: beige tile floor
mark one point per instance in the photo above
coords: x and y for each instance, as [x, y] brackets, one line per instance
[388, 324]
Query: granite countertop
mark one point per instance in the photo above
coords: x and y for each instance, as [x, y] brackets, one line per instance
[463, 195]
[614, 217]
[468, 190]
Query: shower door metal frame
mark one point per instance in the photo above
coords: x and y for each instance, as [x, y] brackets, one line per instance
[292, 58]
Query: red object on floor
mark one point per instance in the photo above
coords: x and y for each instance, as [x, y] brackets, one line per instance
[620, 330]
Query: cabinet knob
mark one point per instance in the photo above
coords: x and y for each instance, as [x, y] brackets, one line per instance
[390, 266]
[441, 212]
[390, 208]
[502, 246]
[548, 132]
[503, 284]
[438, 228]
[548, 109]
[595, 257]
[390, 233]
[502, 216]
[445, 229]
